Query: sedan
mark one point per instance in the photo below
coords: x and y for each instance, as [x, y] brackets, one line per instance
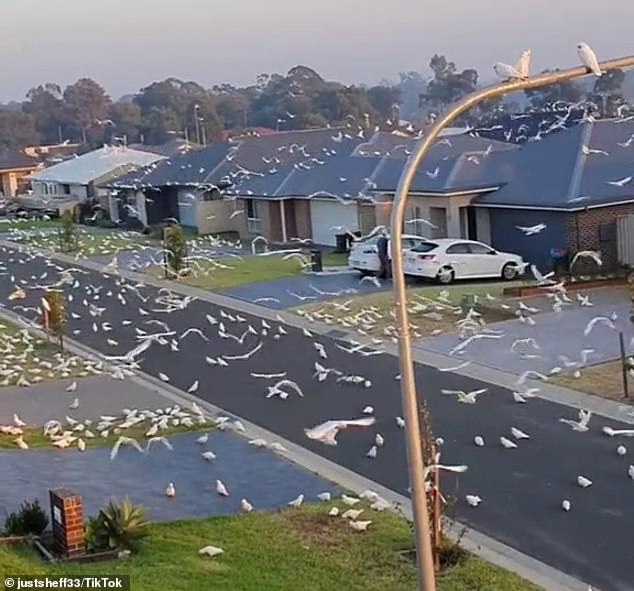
[448, 259]
[364, 254]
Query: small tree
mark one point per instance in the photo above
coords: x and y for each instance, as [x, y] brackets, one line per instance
[56, 316]
[175, 249]
[67, 233]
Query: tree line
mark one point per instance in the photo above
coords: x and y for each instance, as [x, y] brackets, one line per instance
[302, 99]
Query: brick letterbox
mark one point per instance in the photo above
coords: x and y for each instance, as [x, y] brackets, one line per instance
[67, 513]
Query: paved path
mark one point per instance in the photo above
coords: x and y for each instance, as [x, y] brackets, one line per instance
[98, 395]
[522, 488]
[559, 335]
[266, 480]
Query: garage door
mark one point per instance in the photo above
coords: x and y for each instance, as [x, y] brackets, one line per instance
[187, 206]
[327, 214]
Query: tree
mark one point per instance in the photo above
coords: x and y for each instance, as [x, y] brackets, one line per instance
[56, 312]
[567, 92]
[17, 130]
[86, 104]
[67, 233]
[127, 121]
[608, 92]
[176, 250]
[383, 98]
[45, 104]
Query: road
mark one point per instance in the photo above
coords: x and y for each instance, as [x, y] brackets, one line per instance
[522, 488]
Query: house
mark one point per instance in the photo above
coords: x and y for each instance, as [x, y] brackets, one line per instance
[15, 169]
[232, 187]
[78, 178]
[577, 182]
[53, 152]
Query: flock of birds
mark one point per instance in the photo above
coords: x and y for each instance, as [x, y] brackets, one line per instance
[247, 336]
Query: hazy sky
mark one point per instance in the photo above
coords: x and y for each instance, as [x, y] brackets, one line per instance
[126, 44]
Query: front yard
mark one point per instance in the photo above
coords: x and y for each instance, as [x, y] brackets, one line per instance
[282, 551]
[233, 271]
[603, 379]
[26, 359]
[433, 310]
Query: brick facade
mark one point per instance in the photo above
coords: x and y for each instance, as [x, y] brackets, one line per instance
[595, 229]
[68, 522]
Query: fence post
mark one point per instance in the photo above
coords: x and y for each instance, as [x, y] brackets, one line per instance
[624, 366]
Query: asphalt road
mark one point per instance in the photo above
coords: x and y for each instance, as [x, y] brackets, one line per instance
[522, 488]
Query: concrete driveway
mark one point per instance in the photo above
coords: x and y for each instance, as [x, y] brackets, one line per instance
[305, 289]
[559, 337]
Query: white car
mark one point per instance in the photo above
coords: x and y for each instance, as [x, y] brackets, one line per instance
[447, 259]
[364, 255]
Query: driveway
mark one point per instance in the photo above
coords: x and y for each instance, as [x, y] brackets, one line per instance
[305, 289]
[266, 480]
[522, 488]
[559, 336]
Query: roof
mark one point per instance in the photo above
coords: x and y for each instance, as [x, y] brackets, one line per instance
[94, 165]
[573, 169]
[172, 147]
[190, 169]
[17, 160]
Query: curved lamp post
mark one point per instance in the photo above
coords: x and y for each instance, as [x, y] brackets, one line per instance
[426, 575]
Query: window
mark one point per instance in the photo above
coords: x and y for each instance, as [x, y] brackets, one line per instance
[425, 247]
[252, 209]
[66, 189]
[476, 248]
[254, 223]
[460, 248]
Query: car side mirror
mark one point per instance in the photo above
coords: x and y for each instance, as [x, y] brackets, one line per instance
[493, 252]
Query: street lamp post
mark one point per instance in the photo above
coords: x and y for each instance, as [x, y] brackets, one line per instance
[196, 109]
[424, 554]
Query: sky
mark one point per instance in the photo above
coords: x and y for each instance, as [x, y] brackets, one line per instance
[127, 44]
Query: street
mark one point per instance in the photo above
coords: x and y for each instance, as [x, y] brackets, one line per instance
[522, 488]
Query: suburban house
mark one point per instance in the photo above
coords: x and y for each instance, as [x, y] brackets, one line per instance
[52, 153]
[577, 182]
[320, 183]
[78, 178]
[230, 187]
[15, 169]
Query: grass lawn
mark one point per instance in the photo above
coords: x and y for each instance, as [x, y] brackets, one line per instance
[233, 272]
[36, 439]
[334, 259]
[433, 309]
[284, 551]
[90, 242]
[34, 359]
[603, 379]
[11, 225]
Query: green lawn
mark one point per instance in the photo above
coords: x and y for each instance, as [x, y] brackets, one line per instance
[35, 438]
[603, 379]
[40, 363]
[233, 272]
[433, 309]
[284, 551]
[21, 225]
[91, 242]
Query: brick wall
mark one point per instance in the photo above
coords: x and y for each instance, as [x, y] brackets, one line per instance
[583, 231]
[68, 522]
[367, 218]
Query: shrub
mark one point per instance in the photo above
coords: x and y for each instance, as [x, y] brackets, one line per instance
[67, 234]
[176, 247]
[29, 520]
[119, 526]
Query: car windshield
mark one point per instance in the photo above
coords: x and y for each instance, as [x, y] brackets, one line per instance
[425, 247]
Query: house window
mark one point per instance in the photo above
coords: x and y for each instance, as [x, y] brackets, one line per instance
[66, 189]
[254, 223]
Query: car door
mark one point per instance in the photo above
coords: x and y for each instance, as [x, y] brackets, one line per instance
[486, 261]
[459, 257]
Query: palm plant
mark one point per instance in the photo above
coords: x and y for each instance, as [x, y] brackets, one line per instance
[120, 525]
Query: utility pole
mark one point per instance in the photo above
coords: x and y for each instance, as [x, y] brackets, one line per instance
[415, 459]
[196, 108]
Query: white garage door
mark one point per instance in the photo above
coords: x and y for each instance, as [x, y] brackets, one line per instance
[327, 214]
[187, 206]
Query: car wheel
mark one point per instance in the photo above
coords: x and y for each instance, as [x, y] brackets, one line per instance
[446, 276]
[509, 272]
